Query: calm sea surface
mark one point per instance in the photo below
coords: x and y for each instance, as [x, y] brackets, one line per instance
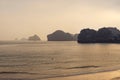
[44, 60]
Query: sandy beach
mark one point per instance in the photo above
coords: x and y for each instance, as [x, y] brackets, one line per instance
[112, 75]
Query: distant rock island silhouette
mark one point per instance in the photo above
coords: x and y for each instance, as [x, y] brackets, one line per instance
[34, 38]
[103, 35]
[23, 39]
[60, 35]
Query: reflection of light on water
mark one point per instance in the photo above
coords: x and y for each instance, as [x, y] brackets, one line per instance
[57, 59]
[113, 75]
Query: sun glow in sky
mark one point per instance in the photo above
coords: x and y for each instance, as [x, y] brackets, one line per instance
[23, 18]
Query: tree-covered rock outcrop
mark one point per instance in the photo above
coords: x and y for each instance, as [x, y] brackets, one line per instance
[103, 35]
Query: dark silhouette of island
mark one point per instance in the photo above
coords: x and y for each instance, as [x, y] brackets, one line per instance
[60, 35]
[103, 35]
[34, 38]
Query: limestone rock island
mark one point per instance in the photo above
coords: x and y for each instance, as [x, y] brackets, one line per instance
[60, 35]
[103, 35]
[34, 38]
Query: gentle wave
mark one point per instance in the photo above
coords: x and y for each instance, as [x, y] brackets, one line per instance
[90, 66]
[16, 73]
[56, 59]
[109, 69]
[16, 79]
[13, 65]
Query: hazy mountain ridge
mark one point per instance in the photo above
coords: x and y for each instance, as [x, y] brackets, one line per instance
[60, 35]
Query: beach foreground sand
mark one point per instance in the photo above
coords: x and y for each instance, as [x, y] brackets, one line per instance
[112, 75]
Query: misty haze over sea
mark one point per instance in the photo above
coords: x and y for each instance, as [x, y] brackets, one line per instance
[59, 39]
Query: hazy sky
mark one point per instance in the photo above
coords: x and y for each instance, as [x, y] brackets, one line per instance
[23, 18]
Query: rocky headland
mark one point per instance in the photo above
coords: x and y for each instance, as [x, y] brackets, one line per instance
[103, 35]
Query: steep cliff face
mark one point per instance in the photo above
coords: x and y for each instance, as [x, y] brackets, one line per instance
[103, 35]
[34, 38]
[60, 36]
[87, 36]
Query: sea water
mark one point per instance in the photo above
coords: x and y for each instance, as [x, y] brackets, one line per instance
[44, 60]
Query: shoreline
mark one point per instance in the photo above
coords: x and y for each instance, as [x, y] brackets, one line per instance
[107, 75]
[106, 70]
